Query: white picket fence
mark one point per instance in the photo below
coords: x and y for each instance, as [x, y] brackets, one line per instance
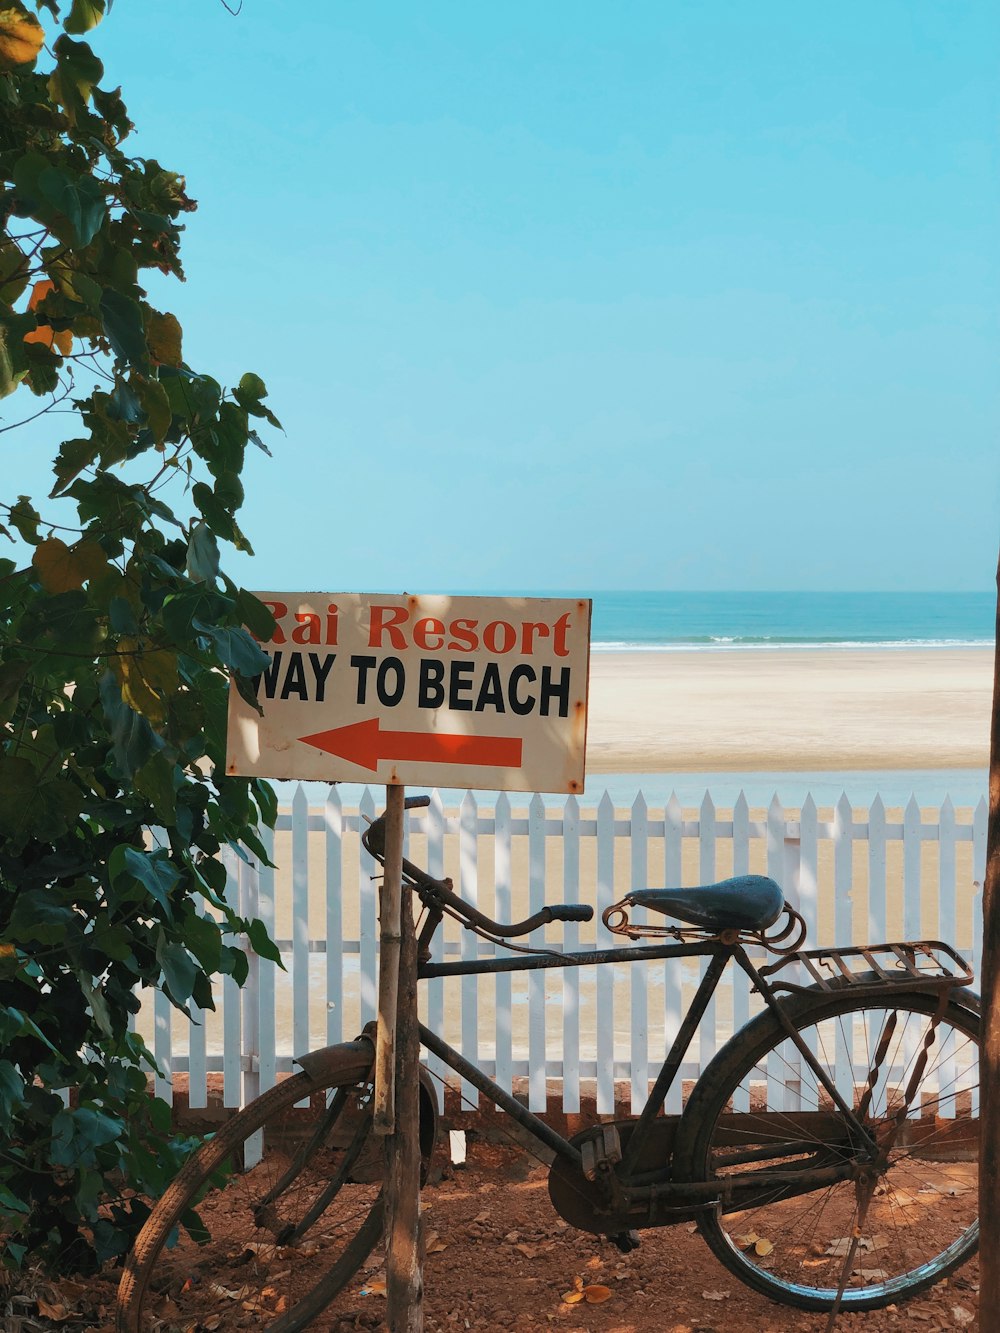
[855, 875]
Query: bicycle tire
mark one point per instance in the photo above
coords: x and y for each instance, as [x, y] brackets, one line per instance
[759, 1105]
[266, 1251]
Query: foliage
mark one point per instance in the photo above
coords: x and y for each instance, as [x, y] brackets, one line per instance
[119, 633]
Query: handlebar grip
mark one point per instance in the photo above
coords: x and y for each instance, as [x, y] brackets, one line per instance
[415, 802]
[573, 912]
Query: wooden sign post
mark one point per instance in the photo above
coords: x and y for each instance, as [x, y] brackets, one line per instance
[390, 939]
[397, 1096]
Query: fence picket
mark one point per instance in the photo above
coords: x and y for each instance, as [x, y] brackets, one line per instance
[571, 975]
[843, 879]
[536, 980]
[605, 981]
[468, 855]
[673, 845]
[877, 927]
[505, 912]
[333, 816]
[637, 972]
[912, 846]
[945, 1072]
[232, 1042]
[707, 1034]
[779, 1071]
[741, 982]
[368, 915]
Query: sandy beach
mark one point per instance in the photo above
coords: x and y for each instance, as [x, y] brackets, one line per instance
[774, 710]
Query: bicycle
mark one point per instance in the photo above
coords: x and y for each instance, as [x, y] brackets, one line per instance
[809, 1152]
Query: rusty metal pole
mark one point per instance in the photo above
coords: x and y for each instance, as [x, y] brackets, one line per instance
[989, 1105]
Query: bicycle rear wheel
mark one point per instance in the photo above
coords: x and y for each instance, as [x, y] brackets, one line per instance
[898, 1210]
[273, 1245]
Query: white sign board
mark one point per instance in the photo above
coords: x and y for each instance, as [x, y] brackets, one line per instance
[432, 690]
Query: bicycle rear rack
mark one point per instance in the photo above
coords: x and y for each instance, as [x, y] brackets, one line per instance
[927, 964]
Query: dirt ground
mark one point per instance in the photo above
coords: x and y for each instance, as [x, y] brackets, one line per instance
[498, 1257]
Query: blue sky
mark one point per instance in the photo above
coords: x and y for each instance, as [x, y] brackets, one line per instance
[658, 295]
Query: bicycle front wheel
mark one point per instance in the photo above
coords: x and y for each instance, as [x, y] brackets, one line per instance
[890, 1209]
[269, 1246]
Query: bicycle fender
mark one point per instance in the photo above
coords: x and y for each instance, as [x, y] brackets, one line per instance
[355, 1060]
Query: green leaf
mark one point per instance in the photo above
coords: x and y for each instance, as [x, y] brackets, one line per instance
[163, 337]
[73, 457]
[15, 270]
[252, 612]
[155, 404]
[262, 943]
[77, 73]
[213, 512]
[80, 199]
[133, 739]
[11, 1091]
[155, 780]
[234, 963]
[152, 870]
[201, 936]
[179, 971]
[267, 800]
[40, 915]
[98, 1005]
[248, 393]
[122, 321]
[26, 518]
[13, 355]
[235, 648]
[193, 398]
[84, 15]
[203, 554]
[77, 1133]
[230, 440]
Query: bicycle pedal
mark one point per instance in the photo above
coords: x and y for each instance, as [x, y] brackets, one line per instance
[627, 1241]
[601, 1152]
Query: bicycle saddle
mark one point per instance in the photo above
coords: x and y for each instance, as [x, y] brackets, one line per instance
[746, 902]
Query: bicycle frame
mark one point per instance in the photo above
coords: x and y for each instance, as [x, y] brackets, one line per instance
[719, 955]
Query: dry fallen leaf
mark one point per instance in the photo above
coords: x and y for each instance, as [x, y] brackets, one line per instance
[841, 1247]
[571, 1297]
[961, 1315]
[262, 1249]
[217, 1290]
[57, 1312]
[715, 1295]
[763, 1247]
[595, 1294]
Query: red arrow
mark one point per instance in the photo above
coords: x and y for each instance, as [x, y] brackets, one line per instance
[364, 744]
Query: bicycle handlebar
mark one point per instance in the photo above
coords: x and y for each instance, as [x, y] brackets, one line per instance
[437, 892]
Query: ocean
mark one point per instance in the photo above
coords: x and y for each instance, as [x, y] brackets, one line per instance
[665, 621]
[721, 621]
